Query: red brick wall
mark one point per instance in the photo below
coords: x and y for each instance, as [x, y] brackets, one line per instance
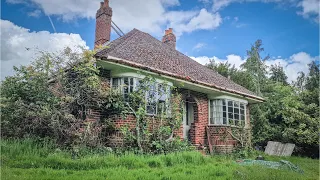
[219, 135]
[201, 119]
[219, 138]
[103, 24]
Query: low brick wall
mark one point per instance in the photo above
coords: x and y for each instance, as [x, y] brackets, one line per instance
[220, 139]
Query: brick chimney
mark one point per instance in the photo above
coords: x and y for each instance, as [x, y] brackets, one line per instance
[169, 38]
[103, 24]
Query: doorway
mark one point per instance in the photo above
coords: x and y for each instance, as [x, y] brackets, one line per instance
[188, 119]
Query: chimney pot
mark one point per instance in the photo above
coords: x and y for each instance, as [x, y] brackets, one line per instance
[169, 38]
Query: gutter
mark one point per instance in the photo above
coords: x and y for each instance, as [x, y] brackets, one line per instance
[140, 66]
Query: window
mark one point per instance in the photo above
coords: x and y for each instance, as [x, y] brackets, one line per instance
[151, 99]
[124, 85]
[128, 87]
[163, 95]
[157, 95]
[226, 112]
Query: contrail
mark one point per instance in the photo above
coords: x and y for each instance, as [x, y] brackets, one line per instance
[54, 28]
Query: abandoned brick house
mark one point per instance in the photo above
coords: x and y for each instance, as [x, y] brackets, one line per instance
[211, 101]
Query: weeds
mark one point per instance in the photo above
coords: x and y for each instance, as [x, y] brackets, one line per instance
[30, 159]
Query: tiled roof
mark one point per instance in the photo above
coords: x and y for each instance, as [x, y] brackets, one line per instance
[141, 50]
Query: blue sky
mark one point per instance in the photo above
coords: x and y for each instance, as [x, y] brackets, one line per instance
[206, 29]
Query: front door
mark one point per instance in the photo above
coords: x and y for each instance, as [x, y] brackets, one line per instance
[188, 118]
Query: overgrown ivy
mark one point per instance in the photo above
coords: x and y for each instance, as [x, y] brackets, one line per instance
[55, 96]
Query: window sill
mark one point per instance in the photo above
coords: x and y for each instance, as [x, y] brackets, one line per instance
[224, 125]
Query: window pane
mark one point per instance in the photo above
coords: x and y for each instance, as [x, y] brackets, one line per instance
[131, 81]
[241, 106]
[230, 115]
[225, 121]
[242, 117]
[230, 104]
[137, 84]
[224, 108]
[236, 116]
[236, 104]
[211, 120]
[161, 108]
[125, 89]
[151, 99]
[241, 111]
[236, 110]
[223, 102]
[224, 114]
[219, 121]
[125, 81]
[162, 92]
[151, 110]
[230, 109]
[151, 107]
[115, 82]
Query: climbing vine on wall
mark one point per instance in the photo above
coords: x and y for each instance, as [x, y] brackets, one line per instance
[154, 133]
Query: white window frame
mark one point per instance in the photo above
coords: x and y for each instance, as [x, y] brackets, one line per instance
[210, 114]
[135, 79]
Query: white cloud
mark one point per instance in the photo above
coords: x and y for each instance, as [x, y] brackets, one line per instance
[232, 59]
[36, 13]
[204, 1]
[202, 59]
[219, 4]
[199, 46]
[310, 8]
[19, 45]
[144, 15]
[203, 20]
[306, 8]
[171, 2]
[292, 65]
[238, 24]
[149, 16]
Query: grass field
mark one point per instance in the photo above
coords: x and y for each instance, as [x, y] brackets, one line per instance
[29, 160]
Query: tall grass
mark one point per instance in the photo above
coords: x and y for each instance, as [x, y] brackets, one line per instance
[29, 159]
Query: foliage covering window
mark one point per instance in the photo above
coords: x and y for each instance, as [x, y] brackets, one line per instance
[227, 112]
[157, 94]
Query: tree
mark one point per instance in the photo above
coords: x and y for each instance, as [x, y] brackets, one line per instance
[52, 97]
[255, 66]
[300, 82]
[278, 75]
[312, 81]
[231, 72]
[225, 69]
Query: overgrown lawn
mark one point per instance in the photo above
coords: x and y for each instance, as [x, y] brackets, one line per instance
[29, 160]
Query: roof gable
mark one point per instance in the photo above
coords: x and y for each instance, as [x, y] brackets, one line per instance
[141, 48]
